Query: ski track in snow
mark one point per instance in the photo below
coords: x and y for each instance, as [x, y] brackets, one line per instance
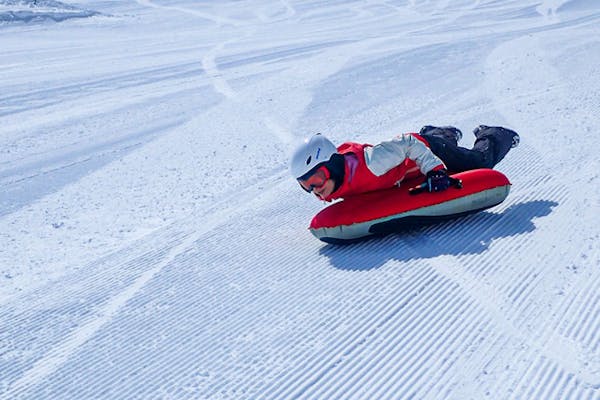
[219, 20]
[228, 296]
[220, 84]
[215, 74]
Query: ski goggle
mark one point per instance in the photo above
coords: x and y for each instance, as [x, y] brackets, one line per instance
[316, 180]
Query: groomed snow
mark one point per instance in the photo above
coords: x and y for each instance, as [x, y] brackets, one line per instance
[154, 246]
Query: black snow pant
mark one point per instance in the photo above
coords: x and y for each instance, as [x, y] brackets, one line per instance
[491, 145]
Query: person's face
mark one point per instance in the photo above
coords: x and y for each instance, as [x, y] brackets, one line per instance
[319, 183]
[324, 191]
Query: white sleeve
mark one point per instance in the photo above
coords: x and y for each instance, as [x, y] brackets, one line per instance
[386, 155]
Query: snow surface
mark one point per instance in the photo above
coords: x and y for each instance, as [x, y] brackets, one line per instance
[152, 244]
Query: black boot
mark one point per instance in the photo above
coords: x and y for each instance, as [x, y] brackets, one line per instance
[448, 132]
[496, 141]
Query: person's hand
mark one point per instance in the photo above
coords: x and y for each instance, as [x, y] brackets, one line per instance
[437, 181]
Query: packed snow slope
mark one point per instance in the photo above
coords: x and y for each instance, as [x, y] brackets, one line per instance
[154, 246]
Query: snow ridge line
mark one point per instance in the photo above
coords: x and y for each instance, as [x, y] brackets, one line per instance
[234, 327]
[540, 346]
[32, 317]
[436, 343]
[568, 363]
[368, 372]
[407, 343]
[446, 334]
[413, 376]
[309, 371]
[584, 306]
[355, 385]
[487, 344]
[541, 370]
[59, 354]
[513, 292]
[237, 326]
[521, 290]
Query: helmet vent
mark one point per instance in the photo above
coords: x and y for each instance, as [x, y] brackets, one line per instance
[308, 160]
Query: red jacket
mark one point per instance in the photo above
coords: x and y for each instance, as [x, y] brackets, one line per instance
[369, 168]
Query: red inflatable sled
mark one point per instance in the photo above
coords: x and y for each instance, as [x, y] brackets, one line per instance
[394, 210]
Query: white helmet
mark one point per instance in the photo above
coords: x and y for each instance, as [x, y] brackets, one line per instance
[312, 152]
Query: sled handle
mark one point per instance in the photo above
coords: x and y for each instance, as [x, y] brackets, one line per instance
[457, 183]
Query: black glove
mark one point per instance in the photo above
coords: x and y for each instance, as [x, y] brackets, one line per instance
[438, 181]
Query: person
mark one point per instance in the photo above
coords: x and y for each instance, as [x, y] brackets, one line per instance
[332, 172]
